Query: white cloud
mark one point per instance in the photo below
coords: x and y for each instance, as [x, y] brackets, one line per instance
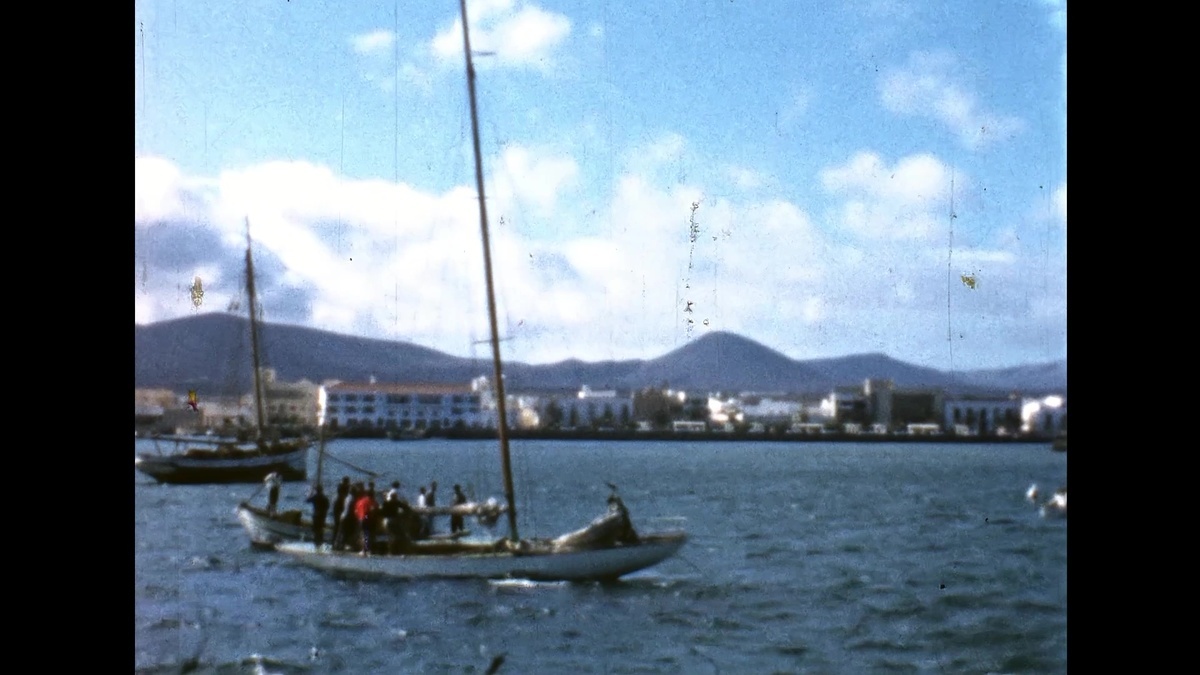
[162, 192]
[1051, 206]
[744, 178]
[625, 277]
[927, 87]
[375, 42]
[524, 35]
[510, 34]
[533, 177]
[910, 200]
[1058, 13]
[1060, 203]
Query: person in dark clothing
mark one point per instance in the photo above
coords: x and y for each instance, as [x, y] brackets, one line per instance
[339, 507]
[394, 513]
[626, 535]
[430, 501]
[348, 532]
[273, 482]
[320, 511]
[456, 521]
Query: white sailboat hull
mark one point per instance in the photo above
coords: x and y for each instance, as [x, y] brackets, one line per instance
[266, 531]
[603, 564]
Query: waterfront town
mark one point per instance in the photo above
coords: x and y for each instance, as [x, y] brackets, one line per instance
[381, 409]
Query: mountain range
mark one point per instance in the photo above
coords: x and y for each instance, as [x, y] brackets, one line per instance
[211, 352]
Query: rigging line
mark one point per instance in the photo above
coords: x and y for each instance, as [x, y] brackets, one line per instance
[352, 466]
[396, 151]
[950, 275]
[342, 166]
[142, 31]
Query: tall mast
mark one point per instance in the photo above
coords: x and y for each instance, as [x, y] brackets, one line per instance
[258, 389]
[501, 404]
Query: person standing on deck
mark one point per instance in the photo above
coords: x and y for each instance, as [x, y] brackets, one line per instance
[273, 481]
[364, 511]
[320, 509]
[431, 501]
[394, 511]
[348, 523]
[422, 502]
[339, 507]
[456, 521]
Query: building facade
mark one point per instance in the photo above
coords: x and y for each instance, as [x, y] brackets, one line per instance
[586, 409]
[977, 416]
[393, 406]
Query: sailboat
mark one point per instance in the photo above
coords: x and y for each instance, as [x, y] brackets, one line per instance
[230, 460]
[606, 549]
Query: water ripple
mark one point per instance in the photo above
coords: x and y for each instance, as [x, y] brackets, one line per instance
[934, 565]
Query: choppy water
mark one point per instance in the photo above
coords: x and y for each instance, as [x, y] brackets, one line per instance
[805, 558]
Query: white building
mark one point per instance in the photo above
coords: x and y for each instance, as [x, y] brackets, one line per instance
[584, 409]
[771, 412]
[976, 416]
[402, 406]
[1044, 416]
[290, 403]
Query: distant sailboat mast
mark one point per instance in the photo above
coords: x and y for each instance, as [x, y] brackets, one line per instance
[487, 264]
[260, 419]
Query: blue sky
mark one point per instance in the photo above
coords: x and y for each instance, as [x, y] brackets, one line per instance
[824, 178]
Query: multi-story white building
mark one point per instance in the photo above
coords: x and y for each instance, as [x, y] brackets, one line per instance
[585, 409]
[403, 406]
[977, 416]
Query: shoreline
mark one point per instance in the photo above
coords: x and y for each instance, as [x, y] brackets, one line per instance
[706, 436]
[685, 436]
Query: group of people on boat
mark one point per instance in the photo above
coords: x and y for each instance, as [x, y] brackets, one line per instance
[361, 515]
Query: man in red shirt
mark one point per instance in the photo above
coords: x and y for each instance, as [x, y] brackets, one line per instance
[364, 510]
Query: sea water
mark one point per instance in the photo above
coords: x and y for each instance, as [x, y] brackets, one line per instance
[803, 557]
